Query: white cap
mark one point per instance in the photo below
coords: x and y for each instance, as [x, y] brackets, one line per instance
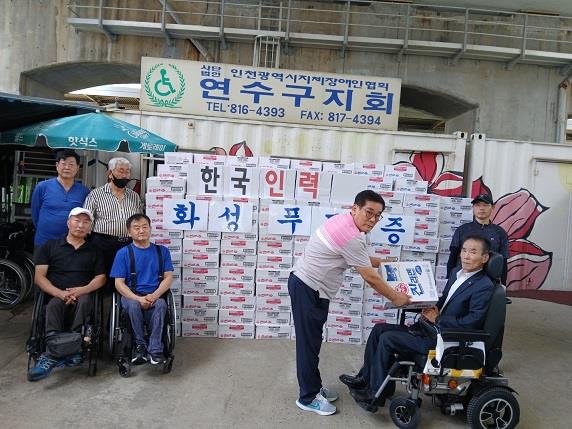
[80, 210]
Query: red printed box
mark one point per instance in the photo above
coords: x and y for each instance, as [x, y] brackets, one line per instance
[235, 302]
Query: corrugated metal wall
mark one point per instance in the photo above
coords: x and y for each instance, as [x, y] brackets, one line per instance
[325, 143]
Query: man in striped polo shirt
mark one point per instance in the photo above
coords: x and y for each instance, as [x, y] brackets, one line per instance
[337, 244]
[111, 205]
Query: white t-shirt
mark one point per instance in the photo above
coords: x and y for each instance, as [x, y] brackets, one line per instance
[336, 245]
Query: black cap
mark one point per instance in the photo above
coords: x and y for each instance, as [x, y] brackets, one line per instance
[485, 198]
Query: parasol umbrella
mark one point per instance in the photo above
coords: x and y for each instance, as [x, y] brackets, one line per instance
[91, 131]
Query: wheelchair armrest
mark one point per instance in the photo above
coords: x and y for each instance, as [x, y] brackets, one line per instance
[464, 335]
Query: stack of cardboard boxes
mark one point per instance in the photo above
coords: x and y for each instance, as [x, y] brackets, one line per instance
[234, 285]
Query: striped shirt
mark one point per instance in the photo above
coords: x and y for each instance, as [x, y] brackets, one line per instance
[109, 213]
[336, 245]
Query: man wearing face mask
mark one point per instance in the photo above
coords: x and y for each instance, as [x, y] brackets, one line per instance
[111, 205]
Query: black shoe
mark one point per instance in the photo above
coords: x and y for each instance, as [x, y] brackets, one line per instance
[157, 358]
[353, 382]
[140, 355]
[364, 396]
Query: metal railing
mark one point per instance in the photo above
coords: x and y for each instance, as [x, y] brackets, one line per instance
[347, 24]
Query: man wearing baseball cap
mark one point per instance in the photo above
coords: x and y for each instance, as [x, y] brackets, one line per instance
[68, 270]
[480, 226]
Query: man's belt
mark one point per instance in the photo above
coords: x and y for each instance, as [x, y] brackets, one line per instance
[112, 237]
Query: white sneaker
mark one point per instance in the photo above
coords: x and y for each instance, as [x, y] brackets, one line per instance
[319, 405]
[330, 394]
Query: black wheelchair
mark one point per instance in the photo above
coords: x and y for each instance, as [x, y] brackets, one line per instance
[465, 376]
[91, 333]
[121, 344]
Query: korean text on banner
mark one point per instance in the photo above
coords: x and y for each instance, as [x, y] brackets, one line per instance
[293, 96]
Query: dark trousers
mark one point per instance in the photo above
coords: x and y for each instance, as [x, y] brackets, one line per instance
[384, 342]
[108, 246]
[310, 313]
[57, 313]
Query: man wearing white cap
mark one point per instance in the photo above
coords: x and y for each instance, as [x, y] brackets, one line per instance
[68, 270]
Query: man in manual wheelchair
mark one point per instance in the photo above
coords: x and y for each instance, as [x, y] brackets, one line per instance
[451, 353]
[69, 272]
[143, 318]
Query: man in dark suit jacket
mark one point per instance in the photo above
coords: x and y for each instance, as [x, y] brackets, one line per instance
[463, 305]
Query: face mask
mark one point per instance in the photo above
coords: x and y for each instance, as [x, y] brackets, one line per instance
[120, 183]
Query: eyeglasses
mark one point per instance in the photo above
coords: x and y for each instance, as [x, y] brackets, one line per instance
[369, 213]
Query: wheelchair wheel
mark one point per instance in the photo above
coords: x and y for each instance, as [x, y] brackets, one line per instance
[114, 328]
[13, 284]
[495, 408]
[168, 365]
[26, 262]
[405, 413]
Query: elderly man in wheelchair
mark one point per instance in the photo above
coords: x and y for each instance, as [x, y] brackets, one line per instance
[451, 353]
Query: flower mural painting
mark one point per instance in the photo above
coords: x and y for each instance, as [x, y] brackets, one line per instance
[516, 213]
[431, 168]
[238, 149]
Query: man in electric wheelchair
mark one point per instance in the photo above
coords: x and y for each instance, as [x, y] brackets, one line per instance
[68, 272]
[143, 275]
[470, 301]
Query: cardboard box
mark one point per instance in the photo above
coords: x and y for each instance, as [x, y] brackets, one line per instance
[236, 288]
[385, 251]
[422, 201]
[238, 331]
[202, 235]
[409, 256]
[277, 262]
[411, 185]
[236, 317]
[338, 167]
[344, 336]
[344, 322]
[399, 171]
[171, 171]
[275, 237]
[272, 318]
[380, 183]
[209, 159]
[161, 185]
[165, 233]
[239, 236]
[369, 169]
[199, 329]
[456, 215]
[414, 279]
[349, 295]
[392, 198]
[200, 288]
[191, 246]
[423, 244]
[270, 290]
[388, 317]
[235, 302]
[272, 276]
[155, 200]
[236, 274]
[244, 261]
[275, 248]
[200, 301]
[271, 162]
[273, 304]
[377, 309]
[178, 157]
[346, 309]
[174, 245]
[200, 260]
[199, 315]
[200, 275]
[371, 296]
[238, 247]
[305, 165]
[273, 332]
[242, 161]
[324, 333]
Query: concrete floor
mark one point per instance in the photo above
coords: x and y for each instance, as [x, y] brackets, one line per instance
[246, 384]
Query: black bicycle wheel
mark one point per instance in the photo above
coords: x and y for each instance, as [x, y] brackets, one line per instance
[12, 284]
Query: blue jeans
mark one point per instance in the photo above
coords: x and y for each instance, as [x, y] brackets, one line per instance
[154, 316]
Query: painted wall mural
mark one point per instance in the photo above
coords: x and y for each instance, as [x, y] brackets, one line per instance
[431, 167]
[516, 213]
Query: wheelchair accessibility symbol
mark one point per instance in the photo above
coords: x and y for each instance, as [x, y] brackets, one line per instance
[164, 85]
